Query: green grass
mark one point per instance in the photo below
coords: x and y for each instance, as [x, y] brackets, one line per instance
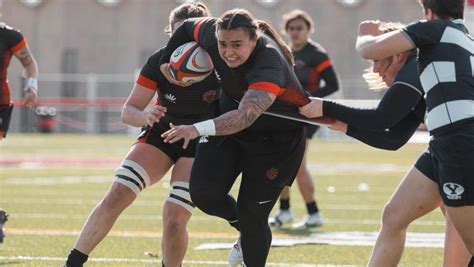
[46, 213]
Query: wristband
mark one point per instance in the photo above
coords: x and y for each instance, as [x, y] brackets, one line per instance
[205, 127]
[32, 82]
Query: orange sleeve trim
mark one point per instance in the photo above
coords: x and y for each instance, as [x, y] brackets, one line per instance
[196, 30]
[147, 83]
[19, 46]
[324, 65]
[267, 87]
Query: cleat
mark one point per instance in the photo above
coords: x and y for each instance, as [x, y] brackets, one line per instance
[3, 219]
[235, 255]
[310, 221]
[283, 217]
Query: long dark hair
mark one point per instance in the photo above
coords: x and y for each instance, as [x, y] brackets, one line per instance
[186, 11]
[445, 9]
[242, 19]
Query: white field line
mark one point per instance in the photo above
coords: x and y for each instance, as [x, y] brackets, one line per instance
[315, 168]
[347, 238]
[418, 240]
[158, 261]
[200, 217]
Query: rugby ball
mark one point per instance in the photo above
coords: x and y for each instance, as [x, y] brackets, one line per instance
[190, 63]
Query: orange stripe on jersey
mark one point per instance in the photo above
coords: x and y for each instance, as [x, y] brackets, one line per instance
[324, 65]
[18, 46]
[267, 87]
[196, 30]
[147, 83]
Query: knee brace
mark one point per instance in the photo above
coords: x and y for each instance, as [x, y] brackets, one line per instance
[132, 175]
[179, 195]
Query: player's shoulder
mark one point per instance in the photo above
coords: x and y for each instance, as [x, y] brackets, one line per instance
[267, 52]
[408, 75]
[316, 47]
[424, 26]
[8, 29]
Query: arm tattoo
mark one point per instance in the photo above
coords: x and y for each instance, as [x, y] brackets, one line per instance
[251, 107]
[24, 56]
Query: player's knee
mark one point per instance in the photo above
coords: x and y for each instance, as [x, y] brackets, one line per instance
[392, 219]
[174, 221]
[180, 196]
[204, 198]
[133, 176]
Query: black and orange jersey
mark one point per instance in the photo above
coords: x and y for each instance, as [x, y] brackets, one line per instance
[266, 69]
[11, 41]
[312, 64]
[185, 105]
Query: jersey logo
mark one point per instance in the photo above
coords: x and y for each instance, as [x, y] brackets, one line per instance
[171, 98]
[203, 139]
[453, 190]
[217, 75]
[209, 96]
[272, 173]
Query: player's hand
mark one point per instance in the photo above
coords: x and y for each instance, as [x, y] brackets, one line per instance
[313, 109]
[155, 114]
[31, 96]
[176, 133]
[338, 126]
[370, 27]
[165, 69]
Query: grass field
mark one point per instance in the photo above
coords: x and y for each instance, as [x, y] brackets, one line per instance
[49, 184]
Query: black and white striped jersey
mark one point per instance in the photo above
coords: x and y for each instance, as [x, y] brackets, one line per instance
[446, 68]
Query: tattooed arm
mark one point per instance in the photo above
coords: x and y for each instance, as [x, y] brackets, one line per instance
[30, 72]
[252, 105]
[28, 62]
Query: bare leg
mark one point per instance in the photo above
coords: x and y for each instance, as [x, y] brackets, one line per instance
[175, 219]
[462, 218]
[119, 197]
[455, 252]
[416, 196]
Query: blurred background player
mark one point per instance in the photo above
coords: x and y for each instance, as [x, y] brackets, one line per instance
[12, 42]
[150, 158]
[316, 74]
[3, 219]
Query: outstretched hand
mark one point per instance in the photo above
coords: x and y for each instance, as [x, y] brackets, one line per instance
[313, 109]
[370, 27]
[176, 133]
[155, 114]
[31, 96]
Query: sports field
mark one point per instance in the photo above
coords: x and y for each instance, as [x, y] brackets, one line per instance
[49, 184]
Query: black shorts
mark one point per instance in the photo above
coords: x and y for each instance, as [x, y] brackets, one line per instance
[453, 159]
[268, 159]
[152, 136]
[311, 130]
[425, 165]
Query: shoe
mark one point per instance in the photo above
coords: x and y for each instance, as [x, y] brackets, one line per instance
[283, 217]
[3, 219]
[312, 220]
[235, 255]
